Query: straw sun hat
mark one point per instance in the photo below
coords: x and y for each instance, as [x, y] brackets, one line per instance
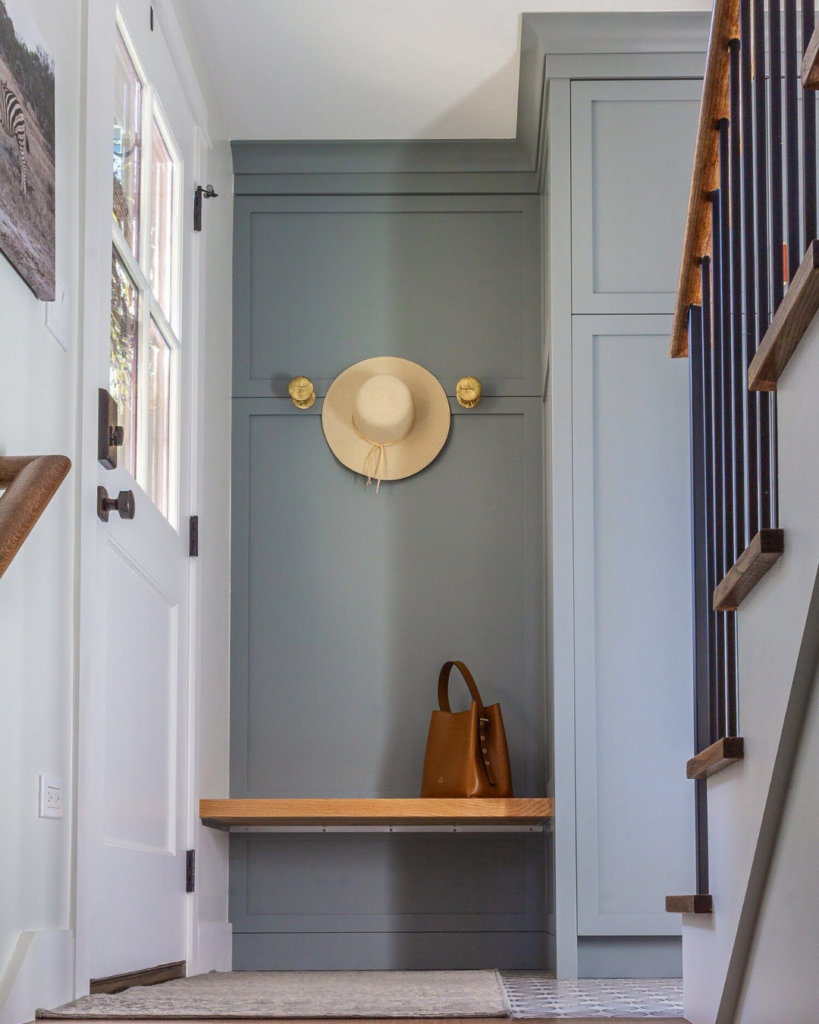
[386, 418]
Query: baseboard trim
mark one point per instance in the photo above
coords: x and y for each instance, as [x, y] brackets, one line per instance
[215, 947]
[146, 976]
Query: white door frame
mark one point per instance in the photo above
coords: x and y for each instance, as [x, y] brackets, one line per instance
[95, 256]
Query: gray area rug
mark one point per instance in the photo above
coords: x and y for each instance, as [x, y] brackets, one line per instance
[299, 994]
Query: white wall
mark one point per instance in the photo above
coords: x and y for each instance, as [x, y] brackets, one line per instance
[37, 594]
[781, 978]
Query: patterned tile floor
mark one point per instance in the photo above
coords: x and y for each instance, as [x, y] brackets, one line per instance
[536, 994]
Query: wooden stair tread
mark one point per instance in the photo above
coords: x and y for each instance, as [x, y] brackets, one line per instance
[756, 560]
[367, 811]
[698, 903]
[789, 324]
[713, 759]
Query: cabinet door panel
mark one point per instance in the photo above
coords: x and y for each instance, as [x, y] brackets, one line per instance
[635, 825]
[632, 152]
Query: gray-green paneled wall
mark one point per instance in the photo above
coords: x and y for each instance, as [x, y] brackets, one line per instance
[346, 602]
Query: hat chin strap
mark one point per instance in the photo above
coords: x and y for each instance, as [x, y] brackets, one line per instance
[376, 459]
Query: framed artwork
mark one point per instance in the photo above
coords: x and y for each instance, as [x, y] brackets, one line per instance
[26, 150]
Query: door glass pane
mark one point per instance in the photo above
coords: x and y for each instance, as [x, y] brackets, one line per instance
[127, 146]
[159, 419]
[124, 349]
[161, 221]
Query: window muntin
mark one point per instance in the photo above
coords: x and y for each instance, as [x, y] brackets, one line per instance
[124, 360]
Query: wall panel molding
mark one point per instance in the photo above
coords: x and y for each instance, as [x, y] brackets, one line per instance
[451, 281]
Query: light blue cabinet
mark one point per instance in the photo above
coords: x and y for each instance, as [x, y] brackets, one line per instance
[619, 171]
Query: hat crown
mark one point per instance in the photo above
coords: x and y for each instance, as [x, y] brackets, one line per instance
[383, 411]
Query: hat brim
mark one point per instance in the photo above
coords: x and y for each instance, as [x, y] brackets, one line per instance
[417, 450]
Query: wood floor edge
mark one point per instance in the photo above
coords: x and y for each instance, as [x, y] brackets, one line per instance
[386, 1020]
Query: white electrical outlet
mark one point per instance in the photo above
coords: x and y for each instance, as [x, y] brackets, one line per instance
[51, 797]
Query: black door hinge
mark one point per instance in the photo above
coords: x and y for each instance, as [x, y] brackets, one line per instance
[193, 537]
[199, 194]
[190, 871]
[152, 18]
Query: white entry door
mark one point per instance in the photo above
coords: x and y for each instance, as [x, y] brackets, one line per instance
[133, 749]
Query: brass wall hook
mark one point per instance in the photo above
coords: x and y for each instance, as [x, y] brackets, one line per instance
[468, 391]
[301, 391]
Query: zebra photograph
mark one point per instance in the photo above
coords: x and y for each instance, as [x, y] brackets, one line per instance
[27, 170]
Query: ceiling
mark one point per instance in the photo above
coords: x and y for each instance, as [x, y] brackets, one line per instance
[374, 69]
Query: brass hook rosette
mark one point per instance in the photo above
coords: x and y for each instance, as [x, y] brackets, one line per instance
[468, 391]
[302, 393]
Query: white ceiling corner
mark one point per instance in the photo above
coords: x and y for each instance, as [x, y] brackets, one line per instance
[374, 69]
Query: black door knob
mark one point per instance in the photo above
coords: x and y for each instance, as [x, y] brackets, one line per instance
[124, 503]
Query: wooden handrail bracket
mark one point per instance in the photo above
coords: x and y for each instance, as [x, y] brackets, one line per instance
[30, 482]
[713, 759]
[789, 324]
[705, 176]
[700, 903]
[756, 560]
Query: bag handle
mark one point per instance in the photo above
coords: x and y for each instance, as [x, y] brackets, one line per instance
[443, 686]
[483, 721]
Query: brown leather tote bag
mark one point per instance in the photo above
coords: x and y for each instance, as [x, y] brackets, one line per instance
[466, 752]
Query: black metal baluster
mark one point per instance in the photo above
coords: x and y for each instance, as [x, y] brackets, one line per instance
[709, 438]
[776, 283]
[730, 673]
[701, 604]
[809, 133]
[725, 346]
[748, 236]
[762, 256]
[718, 330]
[726, 401]
[790, 81]
[738, 379]
[775, 131]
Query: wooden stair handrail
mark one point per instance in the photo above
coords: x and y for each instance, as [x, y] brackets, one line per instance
[705, 175]
[30, 482]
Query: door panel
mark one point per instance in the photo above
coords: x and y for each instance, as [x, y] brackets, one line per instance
[140, 732]
[632, 151]
[634, 720]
